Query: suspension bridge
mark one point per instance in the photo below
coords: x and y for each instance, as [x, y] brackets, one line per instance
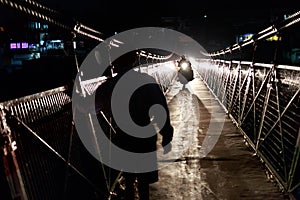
[251, 108]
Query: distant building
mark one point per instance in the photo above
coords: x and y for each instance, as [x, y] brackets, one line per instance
[29, 39]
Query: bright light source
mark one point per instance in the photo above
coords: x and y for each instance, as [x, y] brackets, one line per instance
[184, 65]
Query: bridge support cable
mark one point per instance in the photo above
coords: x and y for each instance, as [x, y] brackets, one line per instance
[41, 12]
[85, 89]
[36, 12]
[264, 34]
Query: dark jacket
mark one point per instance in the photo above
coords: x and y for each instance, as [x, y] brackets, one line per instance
[140, 102]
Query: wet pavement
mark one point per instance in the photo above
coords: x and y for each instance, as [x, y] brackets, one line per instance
[217, 163]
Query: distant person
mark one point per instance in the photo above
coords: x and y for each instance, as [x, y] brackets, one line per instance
[185, 72]
[140, 102]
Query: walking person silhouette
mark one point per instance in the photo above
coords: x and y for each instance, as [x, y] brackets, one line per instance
[140, 103]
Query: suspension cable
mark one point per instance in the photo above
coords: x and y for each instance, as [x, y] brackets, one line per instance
[78, 27]
[37, 10]
[34, 13]
[154, 56]
[264, 34]
[38, 5]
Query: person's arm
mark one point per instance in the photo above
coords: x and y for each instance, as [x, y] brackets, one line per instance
[155, 95]
[167, 135]
[167, 130]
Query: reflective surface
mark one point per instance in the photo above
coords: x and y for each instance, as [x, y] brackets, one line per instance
[229, 171]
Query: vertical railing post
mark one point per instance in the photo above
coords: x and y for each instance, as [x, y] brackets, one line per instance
[294, 166]
[220, 80]
[226, 82]
[266, 102]
[239, 95]
[280, 125]
[10, 163]
[254, 106]
[234, 87]
[248, 77]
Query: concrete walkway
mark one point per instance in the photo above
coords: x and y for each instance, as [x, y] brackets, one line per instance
[217, 164]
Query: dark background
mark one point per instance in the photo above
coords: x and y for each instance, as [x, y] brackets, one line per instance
[214, 24]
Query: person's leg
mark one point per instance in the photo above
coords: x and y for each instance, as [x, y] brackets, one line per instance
[143, 190]
[129, 190]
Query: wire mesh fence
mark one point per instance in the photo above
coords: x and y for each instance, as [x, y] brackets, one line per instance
[42, 155]
[264, 102]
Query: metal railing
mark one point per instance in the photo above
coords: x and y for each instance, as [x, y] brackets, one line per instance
[264, 102]
[41, 153]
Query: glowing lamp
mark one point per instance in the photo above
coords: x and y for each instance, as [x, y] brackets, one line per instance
[185, 70]
[184, 64]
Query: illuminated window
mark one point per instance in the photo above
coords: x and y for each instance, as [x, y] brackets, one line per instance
[37, 25]
[13, 45]
[244, 37]
[286, 16]
[31, 25]
[34, 25]
[33, 47]
[45, 26]
[24, 45]
[274, 38]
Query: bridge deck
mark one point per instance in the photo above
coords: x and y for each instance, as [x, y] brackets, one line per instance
[229, 171]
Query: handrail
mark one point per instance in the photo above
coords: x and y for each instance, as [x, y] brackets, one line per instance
[262, 100]
[264, 34]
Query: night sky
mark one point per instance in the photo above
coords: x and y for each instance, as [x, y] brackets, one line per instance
[214, 24]
[206, 21]
[100, 11]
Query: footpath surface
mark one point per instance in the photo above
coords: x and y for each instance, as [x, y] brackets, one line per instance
[217, 164]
